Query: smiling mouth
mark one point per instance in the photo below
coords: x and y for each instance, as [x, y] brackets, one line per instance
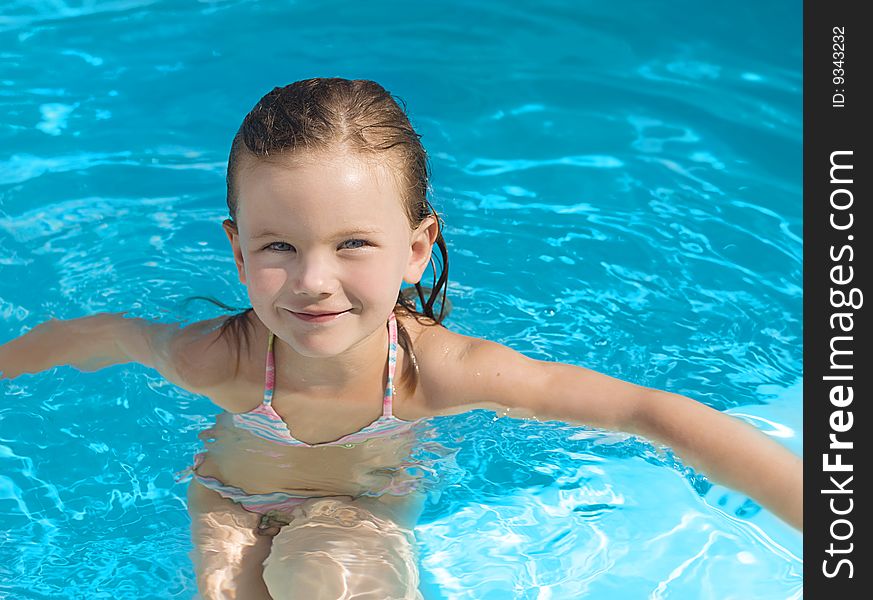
[318, 317]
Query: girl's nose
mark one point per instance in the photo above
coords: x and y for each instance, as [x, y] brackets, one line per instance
[314, 277]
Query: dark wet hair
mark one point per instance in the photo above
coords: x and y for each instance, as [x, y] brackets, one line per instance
[356, 116]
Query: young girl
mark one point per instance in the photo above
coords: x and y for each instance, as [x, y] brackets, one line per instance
[301, 492]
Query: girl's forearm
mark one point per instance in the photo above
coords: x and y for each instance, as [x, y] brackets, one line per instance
[87, 344]
[728, 451]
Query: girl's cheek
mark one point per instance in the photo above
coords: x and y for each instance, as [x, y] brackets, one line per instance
[377, 280]
[266, 279]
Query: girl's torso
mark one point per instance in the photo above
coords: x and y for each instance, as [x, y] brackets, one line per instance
[251, 445]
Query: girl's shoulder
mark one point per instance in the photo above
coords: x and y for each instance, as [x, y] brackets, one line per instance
[459, 373]
[219, 362]
[439, 355]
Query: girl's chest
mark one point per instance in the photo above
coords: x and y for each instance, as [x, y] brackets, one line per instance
[317, 419]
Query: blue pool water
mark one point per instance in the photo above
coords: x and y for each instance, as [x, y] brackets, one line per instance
[621, 188]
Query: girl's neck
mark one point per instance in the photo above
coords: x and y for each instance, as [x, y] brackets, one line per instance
[349, 373]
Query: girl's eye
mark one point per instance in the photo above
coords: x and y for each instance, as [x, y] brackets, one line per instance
[355, 244]
[273, 244]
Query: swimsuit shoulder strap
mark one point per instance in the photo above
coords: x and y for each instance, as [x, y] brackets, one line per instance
[392, 365]
[270, 375]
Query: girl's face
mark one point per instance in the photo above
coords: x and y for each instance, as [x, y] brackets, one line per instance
[324, 234]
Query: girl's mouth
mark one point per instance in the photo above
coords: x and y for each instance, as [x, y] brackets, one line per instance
[321, 318]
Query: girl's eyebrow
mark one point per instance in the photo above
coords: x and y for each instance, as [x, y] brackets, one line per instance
[347, 232]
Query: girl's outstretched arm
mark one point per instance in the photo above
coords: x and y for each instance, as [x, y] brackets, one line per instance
[484, 374]
[91, 343]
[87, 343]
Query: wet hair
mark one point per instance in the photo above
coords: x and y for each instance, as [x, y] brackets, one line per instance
[361, 118]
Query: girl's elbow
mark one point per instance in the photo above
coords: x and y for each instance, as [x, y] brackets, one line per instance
[648, 413]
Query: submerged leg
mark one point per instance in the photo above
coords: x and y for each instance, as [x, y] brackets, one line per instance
[343, 549]
[228, 552]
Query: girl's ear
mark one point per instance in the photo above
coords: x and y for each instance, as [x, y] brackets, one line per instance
[232, 232]
[423, 239]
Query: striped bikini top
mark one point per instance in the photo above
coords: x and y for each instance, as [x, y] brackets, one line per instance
[266, 423]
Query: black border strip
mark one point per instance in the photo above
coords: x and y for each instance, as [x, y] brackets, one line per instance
[835, 272]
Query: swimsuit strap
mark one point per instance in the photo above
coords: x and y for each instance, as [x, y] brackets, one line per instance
[270, 375]
[392, 364]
